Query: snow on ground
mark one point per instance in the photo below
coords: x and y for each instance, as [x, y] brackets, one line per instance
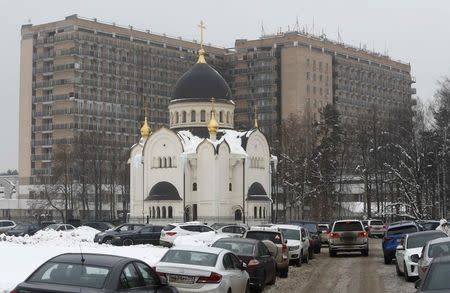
[20, 256]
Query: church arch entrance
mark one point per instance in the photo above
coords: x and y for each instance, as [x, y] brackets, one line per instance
[238, 215]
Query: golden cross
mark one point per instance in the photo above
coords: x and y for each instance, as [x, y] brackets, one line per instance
[202, 27]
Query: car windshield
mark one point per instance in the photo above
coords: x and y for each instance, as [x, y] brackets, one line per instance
[311, 227]
[265, 235]
[420, 240]
[439, 249]
[402, 230]
[347, 226]
[291, 234]
[217, 226]
[196, 258]
[430, 225]
[52, 227]
[376, 223]
[21, 227]
[323, 227]
[239, 248]
[71, 274]
[437, 278]
[168, 227]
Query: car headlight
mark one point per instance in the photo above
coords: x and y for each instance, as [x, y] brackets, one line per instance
[414, 258]
[294, 247]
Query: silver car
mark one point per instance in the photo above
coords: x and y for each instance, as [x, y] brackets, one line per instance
[347, 236]
[6, 225]
[434, 248]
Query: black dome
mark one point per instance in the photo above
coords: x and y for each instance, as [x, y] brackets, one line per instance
[201, 82]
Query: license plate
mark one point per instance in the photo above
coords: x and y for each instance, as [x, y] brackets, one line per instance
[349, 239]
[181, 279]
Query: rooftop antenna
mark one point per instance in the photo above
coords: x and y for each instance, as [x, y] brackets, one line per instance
[339, 36]
[82, 256]
[297, 26]
[313, 26]
[386, 52]
[263, 33]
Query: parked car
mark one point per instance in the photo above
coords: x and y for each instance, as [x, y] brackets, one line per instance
[408, 252]
[148, 234]
[314, 231]
[436, 279]
[217, 226]
[232, 230]
[23, 229]
[376, 228]
[348, 235]
[44, 224]
[75, 272]
[434, 248]
[171, 231]
[429, 224]
[297, 243]
[324, 230]
[100, 226]
[393, 235]
[279, 250]
[108, 235]
[261, 265]
[6, 225]
[203, 269]
[59, 227]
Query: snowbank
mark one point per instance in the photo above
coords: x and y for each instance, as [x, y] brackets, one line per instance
[202, 239]
[20, 256]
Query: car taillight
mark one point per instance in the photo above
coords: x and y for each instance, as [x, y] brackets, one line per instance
[424, 269]
[284, 248]
[159, 273]
[14, 291]
[362, 234]
[213, 278]
[253, 262]
[334, 235]
[171, 233]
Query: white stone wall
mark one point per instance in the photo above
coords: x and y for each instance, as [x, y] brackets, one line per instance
[227, 109]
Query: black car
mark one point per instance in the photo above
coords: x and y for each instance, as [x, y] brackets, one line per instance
[23, 229]
[261, 266]
[76, 272]
[314, 231]
[147, 234]
[436, 278]
[108, 235]
[100, 226]
[429, 224]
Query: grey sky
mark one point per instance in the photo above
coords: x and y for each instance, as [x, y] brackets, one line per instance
[412, 31]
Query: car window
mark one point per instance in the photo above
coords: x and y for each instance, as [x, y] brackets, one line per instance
[227, 262]
[124, 228]
[146, 230]
[240, 248]
[376, 223]
[437, 278]
[420, 240]
[439, 249]
[275, 237]
[70, 274]
[191, 228]
[168, 227]
[157, 228]
[136, 227]
[205, 229]
[347, 226]
[402, 230]
[68, 227]
[129, 278]
[303, 233]
[263, 251]
[291, 234]
[61, 228]
[430, 225]
[229, 229]
[150, 278]
[236, 262]
[190, 257]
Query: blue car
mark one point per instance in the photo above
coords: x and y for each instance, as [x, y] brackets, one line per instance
[393, 235]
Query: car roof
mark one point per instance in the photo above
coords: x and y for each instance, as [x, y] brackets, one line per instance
[402, 223]
[292, 227]
[206, 249]
[303, 222]
[104, 260]
[348, 220]
[424, 233]
[237, 240]
[439, 240]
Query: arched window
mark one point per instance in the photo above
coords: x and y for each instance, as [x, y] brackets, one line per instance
[260, 212]
[221, 116]
[158, 212]
[165, 162]
[153, 212]
[149, 212]
[192, 116]
[202, 115]
[230, 186]
[170, 212]
[163, 212]
[264, 213]
[238, 215]
[169, 162]
[194, 186]
[183, 117]
[160, 162]
[228, 117]
[177, 117]
[255, 212]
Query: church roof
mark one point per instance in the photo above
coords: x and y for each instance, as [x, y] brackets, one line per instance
[163, 191]
[257, 192]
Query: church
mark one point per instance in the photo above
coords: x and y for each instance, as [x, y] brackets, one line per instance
[201, 169]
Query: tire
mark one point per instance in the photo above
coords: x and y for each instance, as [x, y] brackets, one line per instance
[261, 286]
[107, 240]
[247, 288]
[397, 269]
[405, 273]
[365, 252]
[317, 249]
[284, 273]
[332, 253]
[127, 242]
[387, 260]
[298, 262]
[274, 277]
[310, 253]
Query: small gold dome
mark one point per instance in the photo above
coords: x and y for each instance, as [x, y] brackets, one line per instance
[145, 129]
[212, 124]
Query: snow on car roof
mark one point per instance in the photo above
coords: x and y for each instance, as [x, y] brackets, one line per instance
[292, 227]
[206, 249]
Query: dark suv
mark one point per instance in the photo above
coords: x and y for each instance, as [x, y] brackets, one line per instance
[314, 231]
[393, 236]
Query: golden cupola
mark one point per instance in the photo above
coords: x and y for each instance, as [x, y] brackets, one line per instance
[213, 125]
[145, 129]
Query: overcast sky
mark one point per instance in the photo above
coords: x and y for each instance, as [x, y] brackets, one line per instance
[417, 32]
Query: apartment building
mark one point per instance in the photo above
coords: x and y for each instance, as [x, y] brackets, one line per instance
[79, 76]
[298, 73]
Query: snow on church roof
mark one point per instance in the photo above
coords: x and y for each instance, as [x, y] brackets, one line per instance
[232, 137]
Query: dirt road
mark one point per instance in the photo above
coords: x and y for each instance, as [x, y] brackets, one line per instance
[346, 273]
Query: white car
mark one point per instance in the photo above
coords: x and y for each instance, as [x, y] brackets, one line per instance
[170, 232]
[203, 269]
[297, 243]
[434, 248]
[6, 225]
[59, 227]
[232, 230]
[409, 250]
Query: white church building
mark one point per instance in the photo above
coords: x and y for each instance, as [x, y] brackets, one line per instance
[201, 169]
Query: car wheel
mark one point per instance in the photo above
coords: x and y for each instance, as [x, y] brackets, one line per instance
[107, 240]
[387, 260]
[365, 252]
[397, 269]
[261, 286]
[332, 253]
[298, 262]
[317, 249]
[405, 273]
[274, 278]
[127, 242]
[247, 288]
[284, 273]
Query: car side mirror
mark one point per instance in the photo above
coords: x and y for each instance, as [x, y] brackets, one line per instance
[417, 284]
[243, 266]
[285, 241]
[163, 281]
[400, 247]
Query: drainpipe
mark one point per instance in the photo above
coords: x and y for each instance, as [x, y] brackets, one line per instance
[243, 190]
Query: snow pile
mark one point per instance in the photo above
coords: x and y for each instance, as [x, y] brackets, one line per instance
[201, 239]
[69, 238]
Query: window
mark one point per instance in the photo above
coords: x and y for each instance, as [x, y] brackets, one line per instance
[307, 89]
[264, 213]
[129, 278]
[307, 75]
[194, 186]
[228, 117]
[221, 116]
[183, 117]
[160, 162]
[170, 212]
[149, 212]
[158, 212]
[202, 115]
[230, 186]
[153, 212]
[165, 162]
[238, 215]
[192, 116]
[169, 162]
[228, 262]
[255, 212]
[177, 117]
[150, 278]
[260, 212]
[163, 212]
